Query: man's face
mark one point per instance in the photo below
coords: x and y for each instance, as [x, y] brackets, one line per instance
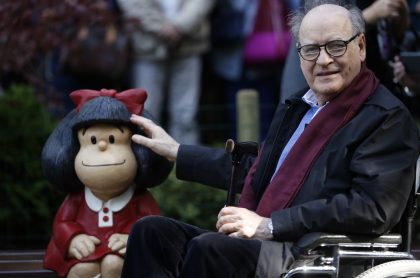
[105, 162]
[327, 75]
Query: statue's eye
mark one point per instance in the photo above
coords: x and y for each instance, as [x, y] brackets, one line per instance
[93, 139]
[111, 139]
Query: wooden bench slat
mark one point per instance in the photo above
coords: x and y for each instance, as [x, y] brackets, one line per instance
[26, 274]
[23, 263]
[20, 265]
[21, 255]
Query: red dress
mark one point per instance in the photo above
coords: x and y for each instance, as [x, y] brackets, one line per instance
[75, 217]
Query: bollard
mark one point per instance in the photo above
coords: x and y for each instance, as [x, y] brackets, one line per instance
[247, 115]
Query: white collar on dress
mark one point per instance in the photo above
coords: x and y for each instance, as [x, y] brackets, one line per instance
[114, 204]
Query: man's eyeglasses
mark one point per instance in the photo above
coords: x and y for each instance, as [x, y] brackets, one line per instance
[335, 48]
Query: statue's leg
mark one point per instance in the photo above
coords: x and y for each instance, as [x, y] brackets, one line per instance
[84, 270]
[111, 266]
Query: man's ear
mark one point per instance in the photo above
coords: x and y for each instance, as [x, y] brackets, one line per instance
[361, 40]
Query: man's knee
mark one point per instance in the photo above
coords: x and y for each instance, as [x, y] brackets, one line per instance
[149, 226]
[147, 222]
[205, 242]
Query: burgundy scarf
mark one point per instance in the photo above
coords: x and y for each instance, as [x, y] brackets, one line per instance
[288, 180]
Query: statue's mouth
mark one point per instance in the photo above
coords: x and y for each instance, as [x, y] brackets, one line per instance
[103, 165]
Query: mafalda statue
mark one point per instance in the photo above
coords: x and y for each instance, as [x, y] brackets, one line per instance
[91, 157]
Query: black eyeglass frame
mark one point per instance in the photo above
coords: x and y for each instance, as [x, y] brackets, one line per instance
[299, 48]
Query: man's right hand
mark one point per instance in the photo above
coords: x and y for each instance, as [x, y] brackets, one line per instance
[158, 140]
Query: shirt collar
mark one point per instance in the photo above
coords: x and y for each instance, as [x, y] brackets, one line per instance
[114, 204]
[310, 98]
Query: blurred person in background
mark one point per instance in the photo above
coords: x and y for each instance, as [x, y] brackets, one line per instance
[235, 22]
[409, 88]
[406, 81]
[386, 22]
[168, 39]
[414, 6]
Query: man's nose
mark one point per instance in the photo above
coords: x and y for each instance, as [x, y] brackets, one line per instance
[324, 57]
[102, 145]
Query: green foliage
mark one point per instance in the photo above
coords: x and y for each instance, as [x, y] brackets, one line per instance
[25, 197]
[189, 202]
[30, 28]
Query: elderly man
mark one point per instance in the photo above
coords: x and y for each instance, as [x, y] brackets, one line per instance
[338, 158]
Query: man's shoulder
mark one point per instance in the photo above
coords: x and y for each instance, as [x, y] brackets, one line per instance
[384, 98]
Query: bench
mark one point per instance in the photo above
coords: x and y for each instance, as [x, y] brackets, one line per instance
[23, 263]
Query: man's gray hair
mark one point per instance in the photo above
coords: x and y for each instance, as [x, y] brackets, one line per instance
[356, 16]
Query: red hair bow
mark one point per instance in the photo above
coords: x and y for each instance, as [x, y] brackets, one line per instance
[133, 99]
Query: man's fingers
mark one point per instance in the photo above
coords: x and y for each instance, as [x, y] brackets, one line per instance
[227, 211]
[235, 234]
[142, 140]
[142, 122]
[136, 119]
[228, 228]
[226, 219]
[157, 139]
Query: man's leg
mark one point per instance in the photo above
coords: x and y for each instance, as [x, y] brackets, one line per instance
[156, 247]
[217, 255]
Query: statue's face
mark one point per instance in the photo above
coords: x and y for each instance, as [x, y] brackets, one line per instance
[105, 162]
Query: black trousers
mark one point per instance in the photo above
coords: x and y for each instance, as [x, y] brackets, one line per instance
[163, 247]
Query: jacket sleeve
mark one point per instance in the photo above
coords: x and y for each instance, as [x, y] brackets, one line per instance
[209, 166]
[381, 176]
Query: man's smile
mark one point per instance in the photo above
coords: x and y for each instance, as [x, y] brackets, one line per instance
[326, 73]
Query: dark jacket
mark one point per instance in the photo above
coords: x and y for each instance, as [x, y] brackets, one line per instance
[359, 183]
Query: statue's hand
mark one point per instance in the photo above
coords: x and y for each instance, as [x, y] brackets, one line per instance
[82, 246]
[118, 243]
